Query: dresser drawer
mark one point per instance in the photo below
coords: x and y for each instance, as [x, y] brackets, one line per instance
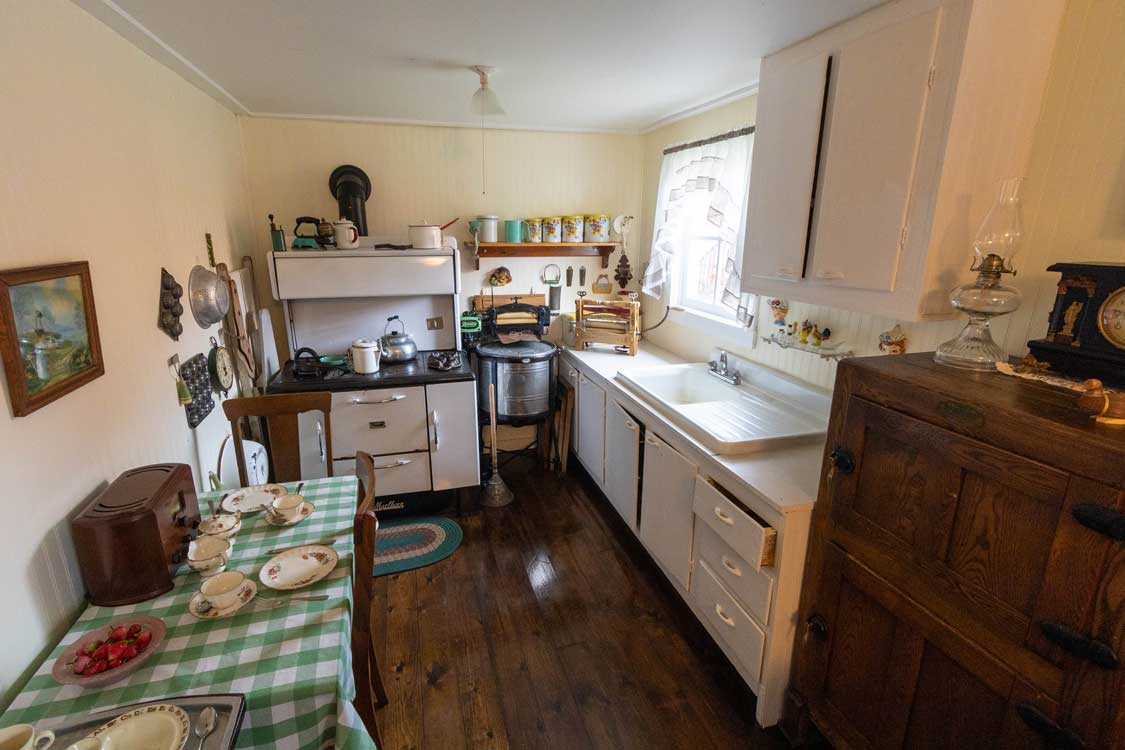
[384, 421]
[736, 628]
[752, 588]
[751, 539]
[394, 474]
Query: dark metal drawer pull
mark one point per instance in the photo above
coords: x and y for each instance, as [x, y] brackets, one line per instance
[1101, 519]
[1071, 640]
[842, 461]
[1041, 724]
[377, 424]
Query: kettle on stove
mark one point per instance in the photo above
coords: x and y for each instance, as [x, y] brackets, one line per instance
[397, 347]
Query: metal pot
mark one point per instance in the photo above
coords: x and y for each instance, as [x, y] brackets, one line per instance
[397, 346]
[425, 236]
[365, 356]
[524, 373]
[208, 296]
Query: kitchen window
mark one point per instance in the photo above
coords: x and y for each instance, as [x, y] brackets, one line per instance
[698, 227]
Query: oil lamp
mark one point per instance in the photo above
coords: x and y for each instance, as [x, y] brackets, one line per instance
[995, 246]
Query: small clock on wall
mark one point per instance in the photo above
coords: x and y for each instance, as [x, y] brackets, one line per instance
[1086, 335]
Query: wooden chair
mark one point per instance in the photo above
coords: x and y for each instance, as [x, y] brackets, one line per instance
[280, 413]
[370, 693]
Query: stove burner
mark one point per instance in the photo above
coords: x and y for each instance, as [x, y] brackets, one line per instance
[444, 361]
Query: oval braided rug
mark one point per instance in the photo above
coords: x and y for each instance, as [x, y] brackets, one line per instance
[410, 543]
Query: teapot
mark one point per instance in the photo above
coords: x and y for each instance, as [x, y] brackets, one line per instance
[397, 346]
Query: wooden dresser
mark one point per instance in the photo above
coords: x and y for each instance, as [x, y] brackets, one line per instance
[965, 578]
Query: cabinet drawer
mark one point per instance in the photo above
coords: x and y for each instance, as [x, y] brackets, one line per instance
[395, 474]
[745, 639]
[753, 540]
[388, 420]
[752, 588]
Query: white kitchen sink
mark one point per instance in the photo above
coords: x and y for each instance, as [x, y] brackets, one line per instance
[766, 410]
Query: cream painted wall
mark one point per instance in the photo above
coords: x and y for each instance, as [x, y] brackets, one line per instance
[434, 174]
[1074, 202]
[115, 160]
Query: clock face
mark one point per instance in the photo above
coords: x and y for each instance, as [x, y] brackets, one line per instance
[1111, 318]
[224, 369]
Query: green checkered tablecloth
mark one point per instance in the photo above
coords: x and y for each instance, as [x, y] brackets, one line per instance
[293, 663]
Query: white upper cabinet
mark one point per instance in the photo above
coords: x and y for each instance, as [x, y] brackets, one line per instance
[921, 108]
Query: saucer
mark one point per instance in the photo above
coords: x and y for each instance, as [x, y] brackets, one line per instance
[245, 594]
[253, 499]
[299, 567]
[307, 509]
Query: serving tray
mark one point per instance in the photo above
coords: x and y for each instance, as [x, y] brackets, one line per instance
[231, 708]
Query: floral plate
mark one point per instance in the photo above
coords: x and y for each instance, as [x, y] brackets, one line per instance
[298, 567]
[253, 499]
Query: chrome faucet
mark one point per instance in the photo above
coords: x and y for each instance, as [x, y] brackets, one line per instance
[723, 371]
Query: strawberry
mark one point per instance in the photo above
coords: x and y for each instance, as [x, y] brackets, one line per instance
[91, 670]
[81, 663]
[129, 652]
[143, 640]
[112, 664]
[92, 646]
[99, 652]
[114, 651]
[99, 666]
[119, 633]
[134, 630]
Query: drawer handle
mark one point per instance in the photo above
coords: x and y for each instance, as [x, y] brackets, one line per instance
[1040, 723]
[723, 615]
[723, 516]
[733, 569]
[389, 399]
[394, 465]
[1100, 519]
[830, 275]
[377, 424]
[631, 426]
[1072, 641]
[841, 460]
[437, 437]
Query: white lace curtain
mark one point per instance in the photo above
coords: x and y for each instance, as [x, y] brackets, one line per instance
[722, 169]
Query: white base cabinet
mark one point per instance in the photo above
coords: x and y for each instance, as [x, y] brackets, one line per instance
[591, 428]
[622, 461]
[667, 488]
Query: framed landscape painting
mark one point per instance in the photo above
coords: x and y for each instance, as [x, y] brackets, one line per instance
[48, 333]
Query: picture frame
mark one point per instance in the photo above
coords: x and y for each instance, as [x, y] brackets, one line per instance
[49, 341]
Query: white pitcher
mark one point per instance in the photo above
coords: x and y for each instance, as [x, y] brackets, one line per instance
[347, 236]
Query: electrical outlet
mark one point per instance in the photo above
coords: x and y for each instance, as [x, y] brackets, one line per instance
[435, 324]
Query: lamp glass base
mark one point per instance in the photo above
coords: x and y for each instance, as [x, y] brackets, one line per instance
[973, 349]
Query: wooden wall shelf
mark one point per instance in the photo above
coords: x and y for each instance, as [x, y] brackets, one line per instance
[548, 250]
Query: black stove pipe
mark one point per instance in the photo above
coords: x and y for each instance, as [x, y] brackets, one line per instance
[351, 187]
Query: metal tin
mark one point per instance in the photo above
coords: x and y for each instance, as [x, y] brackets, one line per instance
[513, 231]
[552, 229]
[572, 228]
[597, 228]
[489, 228]
[532, 230]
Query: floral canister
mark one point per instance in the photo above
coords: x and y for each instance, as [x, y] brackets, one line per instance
[552, 229]
[597, 228]
[532, 230]
[572, 228]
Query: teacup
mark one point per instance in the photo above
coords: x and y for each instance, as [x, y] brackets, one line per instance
[208, 555]
[24, 737]
[287, 507]
[91, 743]
[222, 589]
[224, 525]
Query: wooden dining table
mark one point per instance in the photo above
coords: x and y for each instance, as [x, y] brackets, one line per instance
[293, 663]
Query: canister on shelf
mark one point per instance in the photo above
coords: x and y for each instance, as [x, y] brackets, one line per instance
[552, 229]
[572, 228]
[489, 228]
[597, 228]
[532, 230]
[513, 231]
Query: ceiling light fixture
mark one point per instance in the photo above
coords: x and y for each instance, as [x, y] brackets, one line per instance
[484, 103]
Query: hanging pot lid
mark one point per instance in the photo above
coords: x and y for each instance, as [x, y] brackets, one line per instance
[208, 296]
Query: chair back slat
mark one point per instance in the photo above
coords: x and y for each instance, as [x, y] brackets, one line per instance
[280, 413]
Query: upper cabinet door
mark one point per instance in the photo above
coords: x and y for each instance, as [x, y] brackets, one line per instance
[879, 92]
[790, 105]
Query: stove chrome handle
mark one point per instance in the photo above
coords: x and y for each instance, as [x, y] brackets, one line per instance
[434, 422]
[394, 465]
[320, 444]
[395, 397]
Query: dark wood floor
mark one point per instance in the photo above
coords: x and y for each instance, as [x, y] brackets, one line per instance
[550, 628]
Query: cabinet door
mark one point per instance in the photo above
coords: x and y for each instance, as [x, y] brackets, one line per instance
[667, 488]
[880, 87]
[591, 428]
[622, 461]
[452, 416]
[786, 136]
[883, 672]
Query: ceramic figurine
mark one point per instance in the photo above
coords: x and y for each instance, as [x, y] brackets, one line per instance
[825, 335]
[893, 341]
[814, 335]
[780, 309]
[806, 329]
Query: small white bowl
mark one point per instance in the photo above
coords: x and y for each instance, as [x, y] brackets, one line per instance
[223, 526]
[208, 555]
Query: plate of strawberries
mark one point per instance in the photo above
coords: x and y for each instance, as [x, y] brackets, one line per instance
[106, 655]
